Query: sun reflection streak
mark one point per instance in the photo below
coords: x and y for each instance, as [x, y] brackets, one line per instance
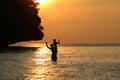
[41, 67]
[42, 55]
[42, 50]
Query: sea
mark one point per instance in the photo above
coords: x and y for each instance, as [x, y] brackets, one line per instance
[32, 61]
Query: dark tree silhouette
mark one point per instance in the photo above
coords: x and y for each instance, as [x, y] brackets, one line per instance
[19, 22]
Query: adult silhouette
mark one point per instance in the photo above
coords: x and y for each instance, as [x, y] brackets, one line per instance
[53, 50]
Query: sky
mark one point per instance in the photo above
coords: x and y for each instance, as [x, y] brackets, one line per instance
[81, 21]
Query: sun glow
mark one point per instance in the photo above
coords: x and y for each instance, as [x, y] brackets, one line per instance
[44, 3]
[41, 1]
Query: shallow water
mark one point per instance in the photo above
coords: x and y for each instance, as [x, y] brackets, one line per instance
[74, 63]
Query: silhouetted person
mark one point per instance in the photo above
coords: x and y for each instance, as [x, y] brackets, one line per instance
[55, 43]
[53, 50]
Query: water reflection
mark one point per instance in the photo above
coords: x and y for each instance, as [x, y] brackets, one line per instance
[42, 68]
[42, 54]
[42, 50]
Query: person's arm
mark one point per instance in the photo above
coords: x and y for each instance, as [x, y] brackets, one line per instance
[58, 41]
[47, 46]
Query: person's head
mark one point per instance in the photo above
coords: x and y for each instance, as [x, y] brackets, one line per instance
[54, 40]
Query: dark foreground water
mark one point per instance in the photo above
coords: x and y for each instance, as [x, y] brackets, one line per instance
[75, 62]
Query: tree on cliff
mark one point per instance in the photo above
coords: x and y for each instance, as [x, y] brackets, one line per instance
[19, 22]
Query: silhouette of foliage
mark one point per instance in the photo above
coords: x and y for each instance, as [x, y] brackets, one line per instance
[19, 21]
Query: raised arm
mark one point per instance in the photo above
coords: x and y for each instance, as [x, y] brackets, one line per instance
[47, 46]
[59, 41]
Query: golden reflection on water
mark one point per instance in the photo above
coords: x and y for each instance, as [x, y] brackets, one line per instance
[43, 50]
[43, 67]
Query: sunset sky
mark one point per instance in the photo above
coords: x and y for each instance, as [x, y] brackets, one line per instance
[81, 21]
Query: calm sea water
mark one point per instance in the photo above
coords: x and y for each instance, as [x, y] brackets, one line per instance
[75, 62]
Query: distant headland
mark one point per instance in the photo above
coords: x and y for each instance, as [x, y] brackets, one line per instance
[19, 22]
